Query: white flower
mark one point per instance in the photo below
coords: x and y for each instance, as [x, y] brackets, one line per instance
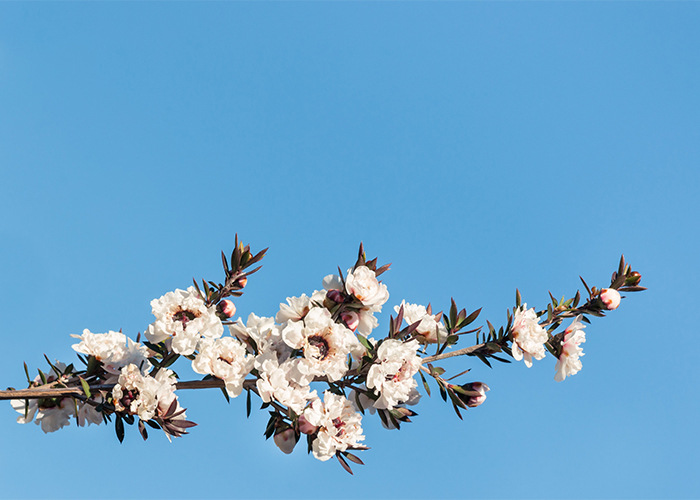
[225, 358]
[144, 396]
[429, 328]
[88, 414]
[324, 343]
[51, 414]
[365, 321]
[295, 309]
[363, 284]
[263, 331]
[338, 422]
[391, 376]
[184, 316]
[528, 336]
[51, 418]
[569, 362]
[57, 417]
[274, 382]
[114, 349]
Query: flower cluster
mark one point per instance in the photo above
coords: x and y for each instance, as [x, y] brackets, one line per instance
[315, 344]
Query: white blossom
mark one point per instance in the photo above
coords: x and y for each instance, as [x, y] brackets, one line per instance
[144, 396]
[362, 283]
[338, 422]
[184, 316]
[225, 358]
[569, 362]
[391, 376]
[50, 415]
[431, 329]
[88, 414]
[274, 382]
[114, 349]
[324, 343]
[294, 310]
[263, 331]
[528, 336]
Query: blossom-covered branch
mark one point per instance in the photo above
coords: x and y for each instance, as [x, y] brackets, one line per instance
[315, 365]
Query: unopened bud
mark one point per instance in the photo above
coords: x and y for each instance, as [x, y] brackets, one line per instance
[475, 394]
[227, 308]
[242, 282]
[351, 319]
[610, 297]
[286, 440]
[633, 279]
[336, 296]
[305, 427]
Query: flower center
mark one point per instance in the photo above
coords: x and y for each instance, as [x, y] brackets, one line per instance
[320, 345]
[128, 398]
[226, 360]
[184, 316]
[340, 426]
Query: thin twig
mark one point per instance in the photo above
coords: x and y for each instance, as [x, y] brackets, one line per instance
[458, 352]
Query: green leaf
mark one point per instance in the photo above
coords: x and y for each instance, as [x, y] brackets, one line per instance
[353, 458]
[86, 387]
[366, 343]
[425, 382]
[470, 319]
[518, 298]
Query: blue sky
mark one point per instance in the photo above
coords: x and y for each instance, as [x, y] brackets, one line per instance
[479, 147]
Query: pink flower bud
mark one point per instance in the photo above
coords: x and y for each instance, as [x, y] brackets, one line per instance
[351, 319]
[242, 282]
[610, 297]
[286, 440]
[227, 308]
[475, 394]
[336, 296]
[305, 427]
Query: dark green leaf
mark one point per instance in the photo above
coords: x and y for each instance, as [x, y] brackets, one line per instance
[119, 428]
[425, 382]
[225, 393]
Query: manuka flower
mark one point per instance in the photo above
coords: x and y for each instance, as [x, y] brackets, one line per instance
[324, 345]
[185, 317]
[114, 349]
[225, 358]
[391, 376]
[339, 425]
[528, 336]
[430, 329]
[569, 362]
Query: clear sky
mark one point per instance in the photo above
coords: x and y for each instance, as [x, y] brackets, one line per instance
[479, 147]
